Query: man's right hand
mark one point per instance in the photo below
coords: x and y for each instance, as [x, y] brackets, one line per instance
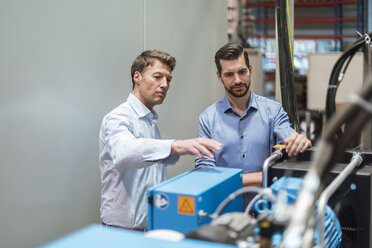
[197, 146]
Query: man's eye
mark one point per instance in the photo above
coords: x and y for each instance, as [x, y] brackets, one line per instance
[228, 74]
[242, 72]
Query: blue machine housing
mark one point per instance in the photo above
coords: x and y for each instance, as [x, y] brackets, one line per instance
[179, 203]
[95, 236]
[292, 185]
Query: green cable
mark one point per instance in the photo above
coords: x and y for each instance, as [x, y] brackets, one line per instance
[289, 32]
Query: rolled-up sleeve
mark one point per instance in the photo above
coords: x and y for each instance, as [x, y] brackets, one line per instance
[282, 126]
[130, 152]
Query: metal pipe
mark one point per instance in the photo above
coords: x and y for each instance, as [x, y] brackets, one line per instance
[276, 155]
[328, 192]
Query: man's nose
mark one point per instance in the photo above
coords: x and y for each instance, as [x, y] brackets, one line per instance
[236, 78]
[164, 83]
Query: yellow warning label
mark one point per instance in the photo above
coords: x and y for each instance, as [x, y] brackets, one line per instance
[186, 205]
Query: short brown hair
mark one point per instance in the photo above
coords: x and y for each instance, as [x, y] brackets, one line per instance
[148, 57]
[230, 51]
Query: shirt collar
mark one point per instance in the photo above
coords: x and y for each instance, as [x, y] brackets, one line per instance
[140, 108]
[251, 104]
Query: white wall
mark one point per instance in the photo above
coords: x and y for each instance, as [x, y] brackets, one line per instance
[63, 65]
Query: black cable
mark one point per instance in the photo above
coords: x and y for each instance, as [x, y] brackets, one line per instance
[335, 78]
[286, 73]
[334, 90]
[347, 64]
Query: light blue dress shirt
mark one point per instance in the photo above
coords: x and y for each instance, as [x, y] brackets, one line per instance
[246, 140]
[132, 159]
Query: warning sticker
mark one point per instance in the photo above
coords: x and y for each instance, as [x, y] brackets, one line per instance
[186, 205]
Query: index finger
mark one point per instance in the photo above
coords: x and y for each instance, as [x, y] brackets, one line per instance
[211, 144]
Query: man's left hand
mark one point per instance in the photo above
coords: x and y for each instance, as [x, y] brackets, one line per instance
[296, 143]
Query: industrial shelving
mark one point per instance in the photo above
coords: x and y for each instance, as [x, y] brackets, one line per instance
[264, 19]
[319, 21]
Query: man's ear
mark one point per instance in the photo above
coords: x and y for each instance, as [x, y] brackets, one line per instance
[219, 76]
[137, 77]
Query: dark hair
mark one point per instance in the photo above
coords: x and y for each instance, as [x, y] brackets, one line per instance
[148, 57]
[230, 51]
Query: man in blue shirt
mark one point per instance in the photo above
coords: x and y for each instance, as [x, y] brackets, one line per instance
[247, 125]
[132, 154]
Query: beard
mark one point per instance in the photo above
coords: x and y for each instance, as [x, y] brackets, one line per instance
[238, 90]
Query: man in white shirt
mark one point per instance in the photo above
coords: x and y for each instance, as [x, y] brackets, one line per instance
[132, 154]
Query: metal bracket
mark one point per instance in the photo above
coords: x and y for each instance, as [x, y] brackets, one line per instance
[367, 38]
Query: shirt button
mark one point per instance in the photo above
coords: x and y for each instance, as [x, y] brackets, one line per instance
[243, 155]
[242, 137]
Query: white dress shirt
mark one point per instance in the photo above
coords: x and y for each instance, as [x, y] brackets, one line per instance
[132, 159]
